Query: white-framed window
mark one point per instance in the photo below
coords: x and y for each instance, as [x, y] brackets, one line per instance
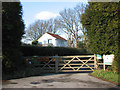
[49, 41]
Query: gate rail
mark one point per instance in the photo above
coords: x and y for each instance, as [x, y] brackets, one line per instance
[76, 63]
[66, 63]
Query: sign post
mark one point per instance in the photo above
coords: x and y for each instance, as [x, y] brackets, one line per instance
[99, 56]
[108, 59]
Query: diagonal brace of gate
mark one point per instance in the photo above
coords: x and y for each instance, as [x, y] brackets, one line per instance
[85, 63]
[70, 66]
[47, 64]
[67, 63]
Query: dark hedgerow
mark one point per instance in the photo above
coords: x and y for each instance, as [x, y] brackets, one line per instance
[32, 50]
[29, 50]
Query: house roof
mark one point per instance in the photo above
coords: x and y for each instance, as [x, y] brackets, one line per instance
[56, 36]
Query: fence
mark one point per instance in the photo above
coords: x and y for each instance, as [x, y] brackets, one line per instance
[65, 63]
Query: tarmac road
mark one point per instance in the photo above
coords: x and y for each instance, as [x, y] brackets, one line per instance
[69, 80]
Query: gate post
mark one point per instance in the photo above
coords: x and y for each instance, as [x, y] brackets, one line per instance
[95, 61]
[56, 64]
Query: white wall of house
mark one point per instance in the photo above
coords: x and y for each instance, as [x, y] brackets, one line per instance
[61, 43]
[44, 39]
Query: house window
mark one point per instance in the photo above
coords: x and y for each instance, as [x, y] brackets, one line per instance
[44, 42]
[49, 41]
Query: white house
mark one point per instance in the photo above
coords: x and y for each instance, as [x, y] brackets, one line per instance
[49, 39]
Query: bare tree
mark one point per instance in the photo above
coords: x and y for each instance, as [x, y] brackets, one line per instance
[35, 30]
[38, 28]
[61, 25]
[70, 23]
[52, 27]
[80, 8]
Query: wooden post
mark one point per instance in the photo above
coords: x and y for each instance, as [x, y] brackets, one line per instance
[104, 66]
[95, 62]
[56, 64]
[103, 63]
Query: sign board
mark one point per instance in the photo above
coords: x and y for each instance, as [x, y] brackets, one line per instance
[108, 59]
[99, 56]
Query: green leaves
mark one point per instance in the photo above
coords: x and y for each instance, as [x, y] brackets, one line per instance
[34, 42]
[12, 31]
[101, 22]
[107, 75]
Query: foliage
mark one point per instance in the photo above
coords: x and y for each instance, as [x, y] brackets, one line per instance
[12, 31]
[34, 42]
[81, 44]
[26, 72]
[109, 68]
[107, 75]
[116, 63]
[101, 22]
[50, 51]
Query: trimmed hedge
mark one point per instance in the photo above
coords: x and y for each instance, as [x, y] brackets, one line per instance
[30, 50]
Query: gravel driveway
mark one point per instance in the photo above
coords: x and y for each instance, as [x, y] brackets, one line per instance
[74, 80]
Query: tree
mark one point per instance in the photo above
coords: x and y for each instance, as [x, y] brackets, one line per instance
[69, 21]
[52, 26]
[80, 9]
[39, 27]
[80, 44]
[71, 25]
[101, 22]
[35, 30]
[12, 31]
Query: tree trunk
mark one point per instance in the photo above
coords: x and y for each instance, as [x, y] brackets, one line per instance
[75, 43]
[69, 42]
[84, 38]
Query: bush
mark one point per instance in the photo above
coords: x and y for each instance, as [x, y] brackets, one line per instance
[34, 42]
[13, 60]
[50, 51]
[109, 68]
[116, 64]
[81, 44]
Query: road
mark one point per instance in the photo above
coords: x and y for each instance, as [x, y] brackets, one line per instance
[72, 80]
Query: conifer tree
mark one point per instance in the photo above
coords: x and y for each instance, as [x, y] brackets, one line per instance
[12, 31]
[101, 22]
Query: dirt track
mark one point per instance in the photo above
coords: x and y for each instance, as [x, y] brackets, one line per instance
[75, 80]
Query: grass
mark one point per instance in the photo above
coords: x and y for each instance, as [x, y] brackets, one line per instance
[107, 75]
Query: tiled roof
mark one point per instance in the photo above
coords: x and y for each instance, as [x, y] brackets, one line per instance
[56, 36]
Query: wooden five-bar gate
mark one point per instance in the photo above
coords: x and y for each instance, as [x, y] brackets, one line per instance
[66, 63]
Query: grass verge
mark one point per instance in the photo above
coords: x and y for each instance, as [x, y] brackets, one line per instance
[109, 76]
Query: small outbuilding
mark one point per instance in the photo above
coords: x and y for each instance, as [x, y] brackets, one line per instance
[49, 39]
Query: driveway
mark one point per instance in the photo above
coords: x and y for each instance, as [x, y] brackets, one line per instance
[74, 80]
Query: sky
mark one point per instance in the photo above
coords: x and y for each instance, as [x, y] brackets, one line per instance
[33, 11]
[39, 10]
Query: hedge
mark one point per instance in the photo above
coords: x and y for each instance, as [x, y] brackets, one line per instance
[30, 50]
